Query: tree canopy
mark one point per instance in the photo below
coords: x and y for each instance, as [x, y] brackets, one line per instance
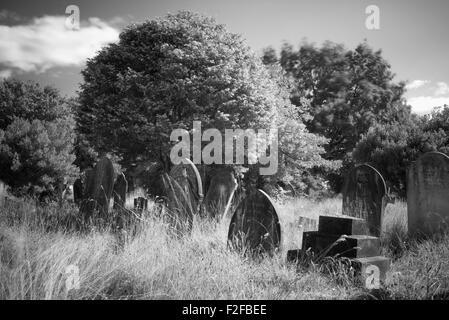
[36, 138]
[164, 74]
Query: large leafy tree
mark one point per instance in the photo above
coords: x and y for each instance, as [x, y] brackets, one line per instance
[164, 74]
[36, 138]
[349, 92]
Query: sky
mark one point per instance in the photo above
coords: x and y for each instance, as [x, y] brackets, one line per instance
[35, 43]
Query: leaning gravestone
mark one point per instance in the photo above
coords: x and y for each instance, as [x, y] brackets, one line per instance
[120, 190]
[99, 187]
[220, 192]
[255, 227]
[364, 197]
[428, 194]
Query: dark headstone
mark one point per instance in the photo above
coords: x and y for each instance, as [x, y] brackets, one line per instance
[255, 226]
[78, 195]
[428, 194]
[220, 191]
[120, 190]
[140, 204]
[363, 196]
[99, 187]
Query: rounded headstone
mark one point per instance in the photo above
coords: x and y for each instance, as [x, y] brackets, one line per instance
[255, 227]
[364, 193]
[428, 194]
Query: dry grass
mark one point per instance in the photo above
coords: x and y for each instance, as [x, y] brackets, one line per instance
[154, 265]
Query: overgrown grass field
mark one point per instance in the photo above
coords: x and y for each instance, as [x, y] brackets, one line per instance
[37, 246]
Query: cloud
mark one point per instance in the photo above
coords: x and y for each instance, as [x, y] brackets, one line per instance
[425, 104]
[8, 15]
[415, 84]
[442, 89]
[4, 74]
[46, 43]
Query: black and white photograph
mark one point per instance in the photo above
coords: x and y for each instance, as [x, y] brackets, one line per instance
[221, 156]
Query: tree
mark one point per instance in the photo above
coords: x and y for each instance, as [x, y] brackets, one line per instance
[163, 75]
[392, 147]
[350, 91]
[36, 138]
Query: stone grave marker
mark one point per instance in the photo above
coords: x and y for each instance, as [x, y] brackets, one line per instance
[140, 204]
[180, 209]
[189, 180]
[428, 194]
[221, 189]
[364, 193]
[120, 190]
[99, 187]
[255, 226]
[343, 237]
[78, 192]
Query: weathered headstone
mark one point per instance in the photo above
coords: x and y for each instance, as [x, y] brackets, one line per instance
[180, 210]
[428, 194]
[364, 196]
[99, 187]
[120, 190]
[220, 191]
[255, 227]
[188, 178]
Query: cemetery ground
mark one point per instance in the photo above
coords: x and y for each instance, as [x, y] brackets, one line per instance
[154, 265]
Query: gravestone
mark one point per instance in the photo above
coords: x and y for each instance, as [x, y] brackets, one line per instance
[428, 194]
[343, 237]
[189, 180]
[255, 226]
[140, 204]
[364, 193]
[99, 187]
[221, 189]
[120, 190]
[180, 209]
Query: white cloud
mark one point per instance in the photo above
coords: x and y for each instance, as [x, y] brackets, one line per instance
[5, 74]
[46, 42]
[415, 84]
[425, 104]
[442, 89]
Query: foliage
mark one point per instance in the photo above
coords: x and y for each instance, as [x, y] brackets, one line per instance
[349, 91]
[392, 147]
[164, 74]
[36, 138]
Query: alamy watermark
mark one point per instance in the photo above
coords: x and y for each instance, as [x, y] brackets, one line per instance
[259, 146]
[72, 21]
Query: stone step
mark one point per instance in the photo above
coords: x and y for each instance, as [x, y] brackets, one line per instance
[356, 246]
[339, 225]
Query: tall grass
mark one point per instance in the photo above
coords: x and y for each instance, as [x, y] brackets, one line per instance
[150, 265]
[37, 244]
